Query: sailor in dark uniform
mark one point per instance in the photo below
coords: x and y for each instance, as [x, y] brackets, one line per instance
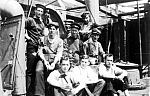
[75, 45]
[34, 30]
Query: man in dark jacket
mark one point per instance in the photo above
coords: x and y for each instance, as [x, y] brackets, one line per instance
[34, 30]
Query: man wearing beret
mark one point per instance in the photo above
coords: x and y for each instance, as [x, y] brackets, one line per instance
[75, 45]
[50, 55]
[34, 30]
[92, 47]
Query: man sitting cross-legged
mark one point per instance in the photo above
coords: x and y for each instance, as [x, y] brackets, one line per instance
[60, 79]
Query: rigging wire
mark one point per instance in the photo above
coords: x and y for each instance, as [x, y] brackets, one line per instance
[139, 30]
[107, 46]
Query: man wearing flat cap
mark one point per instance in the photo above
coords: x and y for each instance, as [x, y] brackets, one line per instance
[47, 17]
[68, 23]
[75, 45]
[85, 26]
[50, 55]
[34, 31]
[92, 47]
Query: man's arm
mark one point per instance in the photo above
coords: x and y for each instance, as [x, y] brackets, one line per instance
[58, 54]
[53, 79]
[103, 73]
[120, 73]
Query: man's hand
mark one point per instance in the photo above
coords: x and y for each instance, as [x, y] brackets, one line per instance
[52, 65]
[34, 53]
[66, 87]
[48, 66]
[46, 63]
[74, 91]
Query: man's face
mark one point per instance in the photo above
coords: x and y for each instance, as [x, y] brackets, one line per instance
[95, 37]
[86, 19]
[75, 32]
[52, 31]
[84, 63]
[109, 61]
[39, 12]
[68, 28]
[65, 65]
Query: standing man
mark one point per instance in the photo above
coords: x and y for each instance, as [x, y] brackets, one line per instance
[85, 26]
[34, 30]
[92, 47]
[50, 56]
[75, 45]
[68, 23]
[115, 77]
[47, 17]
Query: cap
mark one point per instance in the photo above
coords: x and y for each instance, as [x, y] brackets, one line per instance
[84, 56]
[68, 22]
[96, 31]
[47, 10]
[75, 25]
[95, 25]
[84, 14]
[40, 6]
[53, 24]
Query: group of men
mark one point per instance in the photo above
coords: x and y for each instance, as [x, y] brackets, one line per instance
[65, 65]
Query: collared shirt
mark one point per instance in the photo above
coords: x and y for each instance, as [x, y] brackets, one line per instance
[55, 48]
[85, 28]
[57, 80]
[110, 72]
[35, 29]
[76, 46]
[93, 48]
[84, 75]
[85, 31]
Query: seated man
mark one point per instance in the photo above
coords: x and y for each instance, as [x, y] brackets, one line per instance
[115, 77]
[84, 73]
[61, 80]
[50, 55]
[92, 47]
[74, 44]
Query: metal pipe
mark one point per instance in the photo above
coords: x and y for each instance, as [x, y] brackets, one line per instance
[10, 8]
[93, 8]
[139, 29]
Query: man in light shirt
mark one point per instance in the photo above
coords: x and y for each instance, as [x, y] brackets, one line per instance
[115, 77]
[92, 47]
[50, 54]
[85, 74]
[60, 79]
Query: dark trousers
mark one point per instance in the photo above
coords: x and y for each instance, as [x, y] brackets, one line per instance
[42, 87]
[60, 92]
[96, 88]
[39, 79]
[113, 85]
[30, 73]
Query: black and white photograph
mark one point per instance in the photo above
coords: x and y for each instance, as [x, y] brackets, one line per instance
[74, 47]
